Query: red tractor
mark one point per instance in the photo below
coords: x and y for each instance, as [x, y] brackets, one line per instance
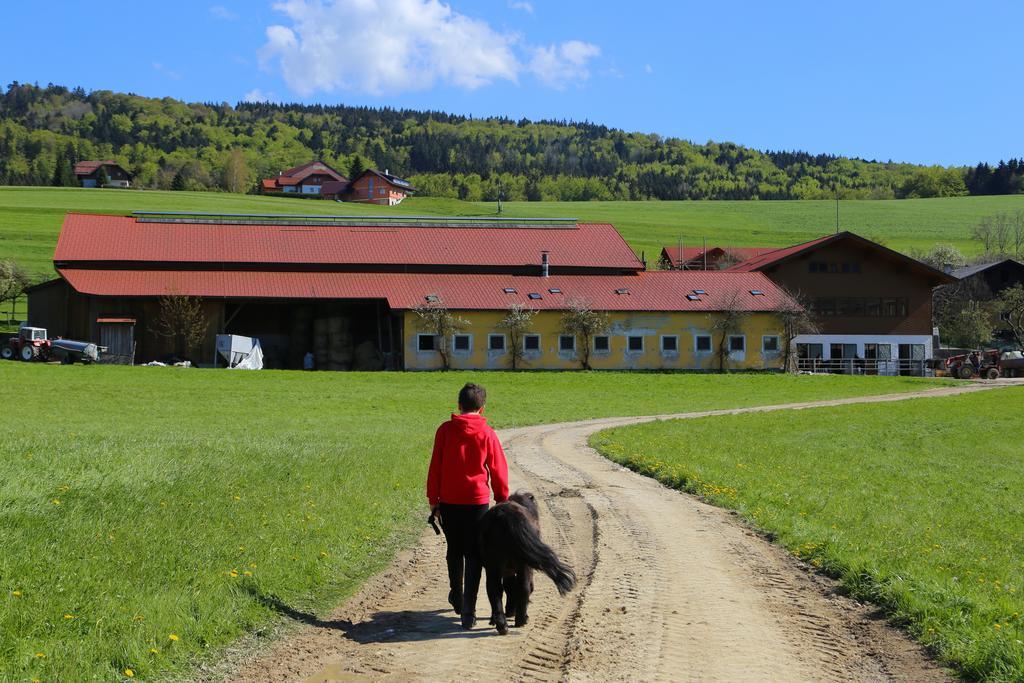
[985, 364]
[30, 344]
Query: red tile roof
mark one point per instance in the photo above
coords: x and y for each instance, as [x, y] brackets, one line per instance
[777, 255]
[98, 238]
[694, 253]
[647, 291]
[88, 167]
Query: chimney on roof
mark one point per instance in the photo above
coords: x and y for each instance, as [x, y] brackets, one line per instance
[386, 172]
[544, 264]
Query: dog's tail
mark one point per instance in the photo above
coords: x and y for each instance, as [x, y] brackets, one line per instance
[539, 555]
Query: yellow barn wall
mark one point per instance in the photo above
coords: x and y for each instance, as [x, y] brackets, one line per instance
[652, 326]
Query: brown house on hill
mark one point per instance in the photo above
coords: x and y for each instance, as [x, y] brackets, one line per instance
[374, 187]
[305, 180]
[712, 258]
[873, 305]
[102, 174]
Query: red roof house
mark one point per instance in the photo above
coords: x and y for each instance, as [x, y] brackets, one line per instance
[306, 179]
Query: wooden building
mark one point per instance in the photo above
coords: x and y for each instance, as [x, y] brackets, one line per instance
[348, 289]
[873, 305]
[102, 174]
[374, 187]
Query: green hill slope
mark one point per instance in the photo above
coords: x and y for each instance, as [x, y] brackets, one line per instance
[30, 218]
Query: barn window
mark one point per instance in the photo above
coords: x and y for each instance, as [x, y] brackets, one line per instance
[702, 343]
[635, 343]
[670, 343]
[692, 297]
[462, 342]
[555, 290]
[737, 343]
[770, 344]
[531, 342]
[496, 342]
[534, 295]
[699, 291]
[426, 342]
[602, 343]
[566, 342]
[509, 290]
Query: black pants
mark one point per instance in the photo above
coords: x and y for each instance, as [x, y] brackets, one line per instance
[461, 524]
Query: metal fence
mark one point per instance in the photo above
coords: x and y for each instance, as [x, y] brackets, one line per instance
[862, 366]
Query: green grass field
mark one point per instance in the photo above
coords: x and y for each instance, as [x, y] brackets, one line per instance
[30, 217]
[916, 506]
[145, 511]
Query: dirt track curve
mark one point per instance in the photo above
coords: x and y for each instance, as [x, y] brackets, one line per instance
[669, 589]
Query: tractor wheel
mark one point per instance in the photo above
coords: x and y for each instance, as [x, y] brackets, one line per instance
[992, 373]
[965, 372]
[7, 353]
[28, 353]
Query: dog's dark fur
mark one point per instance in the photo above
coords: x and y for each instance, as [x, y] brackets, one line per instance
[511, 549]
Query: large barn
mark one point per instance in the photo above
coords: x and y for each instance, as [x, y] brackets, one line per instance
[347, 289]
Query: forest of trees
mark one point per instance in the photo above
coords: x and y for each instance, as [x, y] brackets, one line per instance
[168, 144]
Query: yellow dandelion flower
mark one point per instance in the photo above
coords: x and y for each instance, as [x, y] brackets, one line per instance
[40, 655]
[129, 673]
[247, 573]
[55, 501]
[233, 573]
[237, 497]
[15, 594]
[173, 637]
[323, 553]
[252, 565]
[69, 616]
[138, 617]
[154, 651]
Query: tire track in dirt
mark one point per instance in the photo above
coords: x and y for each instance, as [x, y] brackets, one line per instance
[669, 589]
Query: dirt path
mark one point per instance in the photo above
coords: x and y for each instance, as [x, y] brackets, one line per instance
[670, 589]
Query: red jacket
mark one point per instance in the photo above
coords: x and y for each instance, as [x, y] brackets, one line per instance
[466, 451]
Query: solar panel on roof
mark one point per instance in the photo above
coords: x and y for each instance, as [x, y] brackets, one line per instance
[622, 290]
[699, 291]
[535, 295]
[757, 292]
[693, 297]
[509, 290]
[555, 290]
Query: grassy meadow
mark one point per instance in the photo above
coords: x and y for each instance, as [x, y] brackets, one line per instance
[147, 512]
[30, 217]
[915, 506]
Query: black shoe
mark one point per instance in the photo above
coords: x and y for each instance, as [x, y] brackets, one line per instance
[468, 620]
[455, 600]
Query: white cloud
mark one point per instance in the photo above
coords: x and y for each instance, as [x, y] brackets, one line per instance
[222, 12]
[166, 72]
[521, 5]
[559, 65]
[257, 95]
[391, 46]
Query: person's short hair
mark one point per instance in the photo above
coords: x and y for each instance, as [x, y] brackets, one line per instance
[472, 397]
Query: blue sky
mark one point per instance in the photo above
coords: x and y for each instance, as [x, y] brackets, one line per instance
[925, 82]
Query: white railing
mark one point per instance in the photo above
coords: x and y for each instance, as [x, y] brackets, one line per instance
[861, 366]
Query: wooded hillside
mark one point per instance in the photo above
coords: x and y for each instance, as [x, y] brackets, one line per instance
[168, 144]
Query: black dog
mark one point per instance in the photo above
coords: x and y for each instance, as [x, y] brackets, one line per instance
[511, 549]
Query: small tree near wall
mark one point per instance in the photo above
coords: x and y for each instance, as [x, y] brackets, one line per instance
[584, 323]
[518, 321]
[181, 319]
[730, 321]
[1011, 312]
[796, 319]
[436, 319]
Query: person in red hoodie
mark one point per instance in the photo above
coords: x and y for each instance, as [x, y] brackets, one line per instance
[467, 463]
